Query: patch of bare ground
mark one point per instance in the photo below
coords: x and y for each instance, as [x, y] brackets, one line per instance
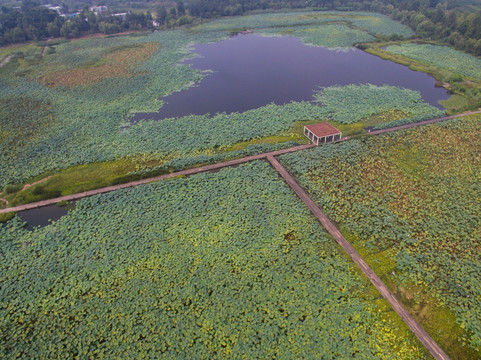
[5, 61]
[26, 186]
[118, 63]
[99, 35]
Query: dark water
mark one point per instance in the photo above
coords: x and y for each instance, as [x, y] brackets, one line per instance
[44, 215]
[251, 71]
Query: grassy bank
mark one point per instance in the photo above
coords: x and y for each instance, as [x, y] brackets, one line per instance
[465, 91]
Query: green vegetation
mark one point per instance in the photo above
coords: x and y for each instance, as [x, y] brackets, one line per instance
[82, 136]
[72, 107]
[368, 22]
[456, 103]
[117, 62]
[329, 36]
[409, 202]
[442, 57]
[83, 124]
[193, 140]
[101, 174]
[435, 60]
[6, 216]
[231, 263]
[225, 264]
[353, 103]
[20, 49]
[34, 22]
[443, 24]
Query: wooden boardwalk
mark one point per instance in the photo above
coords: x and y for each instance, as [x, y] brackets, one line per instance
[422, 335]
[210, 167]
[422, 123]
[153, 179]
[425, 339]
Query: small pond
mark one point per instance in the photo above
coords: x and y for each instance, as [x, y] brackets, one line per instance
[43, 216]
[250, 71]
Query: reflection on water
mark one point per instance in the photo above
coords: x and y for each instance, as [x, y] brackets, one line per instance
[251, 71]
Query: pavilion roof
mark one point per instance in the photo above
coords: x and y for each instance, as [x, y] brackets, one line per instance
[323, 129]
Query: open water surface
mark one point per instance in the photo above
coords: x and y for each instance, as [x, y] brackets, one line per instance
[250, 71]
[44, 215]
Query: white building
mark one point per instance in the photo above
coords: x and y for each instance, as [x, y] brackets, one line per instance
[98, 9]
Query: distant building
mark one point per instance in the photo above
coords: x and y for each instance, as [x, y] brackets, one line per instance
[121, 15]
[322, 133]
[70, 16]
[98, 9]
[58, 9]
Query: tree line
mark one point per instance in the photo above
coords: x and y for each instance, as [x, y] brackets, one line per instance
[36, 22]
[431, 19]
[461, 30]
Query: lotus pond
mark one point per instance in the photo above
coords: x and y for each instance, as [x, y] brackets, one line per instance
[74, 106]
[228, 264]
[251, 71]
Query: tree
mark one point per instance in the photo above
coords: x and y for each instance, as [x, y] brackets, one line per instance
[162, 15]
[69, 30]
[180, 8]
[107, 28]
[425, 28]
[53, 29]
[474, 29]
[451, 19]
[15, 35]
[477, 48]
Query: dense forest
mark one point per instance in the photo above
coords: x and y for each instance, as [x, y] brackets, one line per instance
[35, 22]
[439, 20]
[431, 19]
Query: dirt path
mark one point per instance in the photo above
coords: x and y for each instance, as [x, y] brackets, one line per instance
[211, 167]
[4, 201]
[427, 341]
[45, 47]
[26, 186]
[5, 61]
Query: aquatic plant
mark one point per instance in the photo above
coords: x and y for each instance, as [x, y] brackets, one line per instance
[226, 264]
[442, 57]
[330, 36]
[410, 200]
[370, 22]
[353, 103]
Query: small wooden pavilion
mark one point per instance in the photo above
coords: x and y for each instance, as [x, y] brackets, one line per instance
[322, 133]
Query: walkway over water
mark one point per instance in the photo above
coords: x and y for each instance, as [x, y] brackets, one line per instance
[425, 339]
[211, 167]
[422, 335]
